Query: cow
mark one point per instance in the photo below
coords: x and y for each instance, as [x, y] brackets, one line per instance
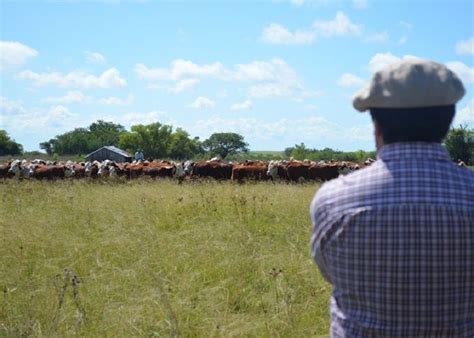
[40, 171]
[323, 173]
[212, 169]
[249, 172]
[4, 170]
[277, 170]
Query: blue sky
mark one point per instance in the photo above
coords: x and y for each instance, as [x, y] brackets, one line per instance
[278, 72]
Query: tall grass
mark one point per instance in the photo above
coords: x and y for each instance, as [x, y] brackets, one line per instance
[157, 258]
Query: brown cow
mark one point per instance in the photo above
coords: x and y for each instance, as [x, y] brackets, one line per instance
[47, 171]
[4, 168]
[250, 172]
[214, 169]
[323, 172]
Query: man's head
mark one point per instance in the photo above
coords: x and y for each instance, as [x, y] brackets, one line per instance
[411, 101]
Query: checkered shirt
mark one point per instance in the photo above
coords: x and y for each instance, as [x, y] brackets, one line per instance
[396, 241]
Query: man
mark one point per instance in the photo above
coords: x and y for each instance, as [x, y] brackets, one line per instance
[396, 239]
[138, 155]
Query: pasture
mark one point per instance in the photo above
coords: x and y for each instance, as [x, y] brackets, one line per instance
[156, 258]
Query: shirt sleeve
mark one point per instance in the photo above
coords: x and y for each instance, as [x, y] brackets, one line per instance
[321, 221]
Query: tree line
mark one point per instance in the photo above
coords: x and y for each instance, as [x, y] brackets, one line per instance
[161, 141]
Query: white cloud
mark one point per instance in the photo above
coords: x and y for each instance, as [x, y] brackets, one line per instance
[297, 2]
[465, 72]
[402, 40]
[134, 118]
[116, 101]
[179, 69]
[247, 104]
[267, 78]
[465, 47]
[289, 130]
[341, 25]
[95, 57]
[311, 107]
[381, 37]
[350, 80]
[465, 115]
[70, 97]
[55, 118]
[277, 34]
[14, 54]
[9, 107]
[76, 79]
[360, 4]
[382, 60]
[270, 90]
[406, 25]
[183, 85]
[202, 102]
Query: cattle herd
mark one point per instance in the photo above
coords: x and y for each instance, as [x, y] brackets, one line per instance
[292, 170]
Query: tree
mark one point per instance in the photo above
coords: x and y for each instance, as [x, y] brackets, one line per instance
[104, 134]
[224, 144]
[9, 146]
[47, 146]
[460, 144]
[154, 139]
[300, 152]
[182, 146]
[84, 140]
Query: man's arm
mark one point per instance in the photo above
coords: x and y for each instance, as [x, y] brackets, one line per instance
[320, 218]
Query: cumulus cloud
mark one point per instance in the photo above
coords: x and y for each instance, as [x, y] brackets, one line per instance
[9, 107]
[267, 78]
[183, 85]
[134, 118]
[94, 57]
[77, 79]
[381, 60]
[360, 4]
[465, 47]
[116, 101]
[202, 103]
[465, 72]
[350, 80]
[289, 130]
[70, 97]
[14, 54]
[277, 34]
[381, 37]
[341, 25]
[55, 118]
[465, 115]
[247, 104]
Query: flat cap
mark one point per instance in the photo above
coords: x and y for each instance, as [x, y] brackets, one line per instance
[413, 83]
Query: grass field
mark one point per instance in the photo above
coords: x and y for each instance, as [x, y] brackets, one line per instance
[156, 258]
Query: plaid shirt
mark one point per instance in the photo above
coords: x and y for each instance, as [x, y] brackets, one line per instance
[396, 241]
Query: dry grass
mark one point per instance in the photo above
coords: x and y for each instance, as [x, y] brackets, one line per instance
[157, 258]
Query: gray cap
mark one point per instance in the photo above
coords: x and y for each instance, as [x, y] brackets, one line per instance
[414, 83]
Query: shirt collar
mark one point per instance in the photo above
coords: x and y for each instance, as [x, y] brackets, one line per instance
[413, 150]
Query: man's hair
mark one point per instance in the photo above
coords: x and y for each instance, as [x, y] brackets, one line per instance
[427, 124]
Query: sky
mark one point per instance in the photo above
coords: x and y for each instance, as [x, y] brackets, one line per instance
[278, 72]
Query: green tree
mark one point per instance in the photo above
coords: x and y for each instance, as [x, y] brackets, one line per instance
[84, 140]
[224, 144]
[9, 146]
[104, 134]
[300, 152]
[47, 146]
[460, 144]
[154, 139]
[182, 146]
